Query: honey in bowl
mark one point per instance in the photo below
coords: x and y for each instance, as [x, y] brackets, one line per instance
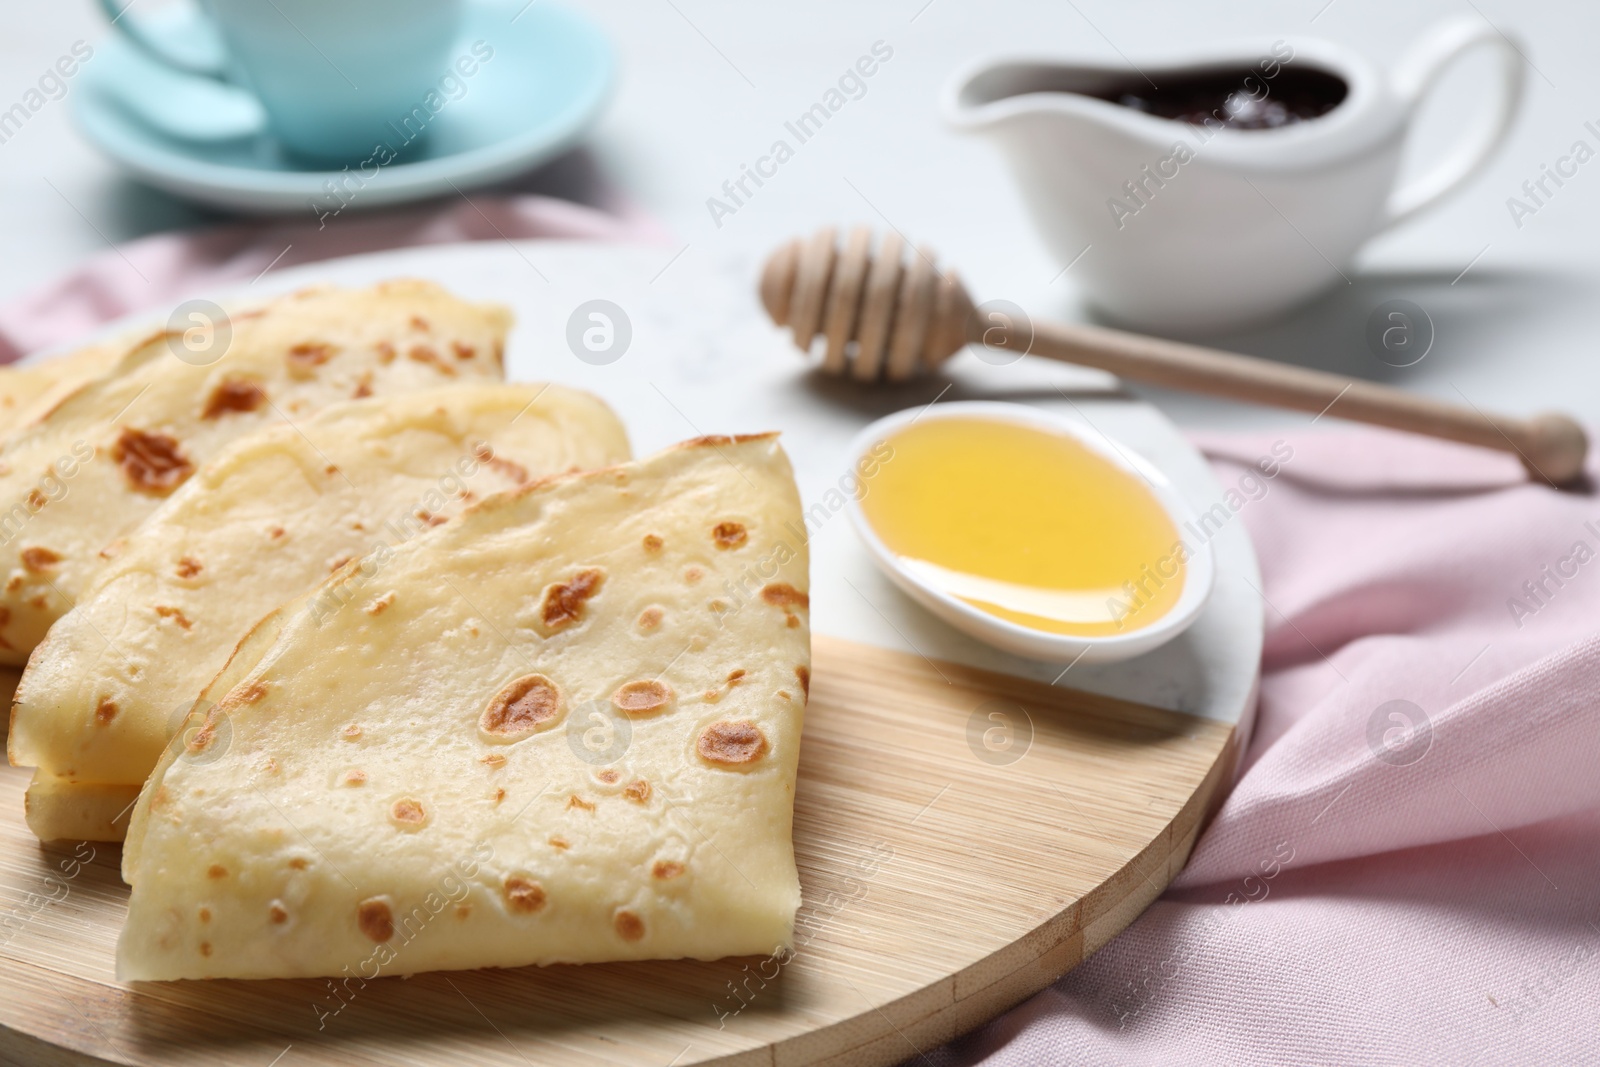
[1026, 524]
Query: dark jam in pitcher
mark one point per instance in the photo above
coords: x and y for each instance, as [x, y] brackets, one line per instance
[1238, 99]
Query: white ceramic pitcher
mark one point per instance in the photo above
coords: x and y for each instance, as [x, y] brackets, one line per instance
[1221, 227]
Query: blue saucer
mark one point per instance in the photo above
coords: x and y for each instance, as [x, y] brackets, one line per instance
[549, 77]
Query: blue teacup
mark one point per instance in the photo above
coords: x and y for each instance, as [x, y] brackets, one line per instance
[335, 77]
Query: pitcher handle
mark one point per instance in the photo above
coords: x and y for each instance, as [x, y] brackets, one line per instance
[192, 45]
[1419, 71]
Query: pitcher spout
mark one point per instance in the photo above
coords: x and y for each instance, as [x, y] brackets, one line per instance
[999, 95]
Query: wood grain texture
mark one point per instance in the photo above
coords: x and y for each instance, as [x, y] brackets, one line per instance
[944, 882]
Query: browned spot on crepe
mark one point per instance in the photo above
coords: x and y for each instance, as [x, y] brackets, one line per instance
[521, 707]
[564, 601]
[151, 462]
[175, 614]
[430, 355]
[784, 595]
[309, 354]
[513, 472]
[38, 559]
[375, 919]
[233, 394]
[188, 567]
[643, 697]
[729, 534]
[523, 894]
[248, 694]
[408, 813]
[732, 743]
[667, 869]
[629, 926]
[208, 730]
[637, 791]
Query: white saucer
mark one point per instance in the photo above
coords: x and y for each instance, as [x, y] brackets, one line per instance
[549, 78]
[1014, 637]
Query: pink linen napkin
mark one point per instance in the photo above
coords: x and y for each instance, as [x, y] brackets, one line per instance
[168, 267]
[1388, 883]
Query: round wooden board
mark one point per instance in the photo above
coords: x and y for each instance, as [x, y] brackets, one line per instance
[966, 831]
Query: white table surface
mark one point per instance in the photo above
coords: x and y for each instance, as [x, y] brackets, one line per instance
[707, 84]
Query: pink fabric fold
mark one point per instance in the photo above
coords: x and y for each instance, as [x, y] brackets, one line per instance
[166, 268]
[1397, 894]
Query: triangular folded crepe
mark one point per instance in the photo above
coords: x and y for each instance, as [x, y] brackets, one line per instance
[274, 514]
[569, 736]
[111, 450]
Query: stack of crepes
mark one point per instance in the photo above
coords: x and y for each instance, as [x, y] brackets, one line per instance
[375, 659]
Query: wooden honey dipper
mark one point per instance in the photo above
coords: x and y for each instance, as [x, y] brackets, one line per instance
[905, 319]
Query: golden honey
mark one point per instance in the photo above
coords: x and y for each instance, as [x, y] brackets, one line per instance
[1026, 524]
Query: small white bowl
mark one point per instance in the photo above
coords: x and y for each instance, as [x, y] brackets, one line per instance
[1013, 637]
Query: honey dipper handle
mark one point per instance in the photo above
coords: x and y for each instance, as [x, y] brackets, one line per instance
[1551, 446]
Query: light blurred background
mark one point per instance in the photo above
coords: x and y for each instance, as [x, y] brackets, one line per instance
[706, 86]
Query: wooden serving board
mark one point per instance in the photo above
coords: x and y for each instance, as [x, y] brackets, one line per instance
[966, 830]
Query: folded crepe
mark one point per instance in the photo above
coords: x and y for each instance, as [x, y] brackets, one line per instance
[106, 455]
[26, 385]
[269, 517]
[562, 727]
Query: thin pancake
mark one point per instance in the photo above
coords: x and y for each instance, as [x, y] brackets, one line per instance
[571, 736]
[270, 516]
[113, 449]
